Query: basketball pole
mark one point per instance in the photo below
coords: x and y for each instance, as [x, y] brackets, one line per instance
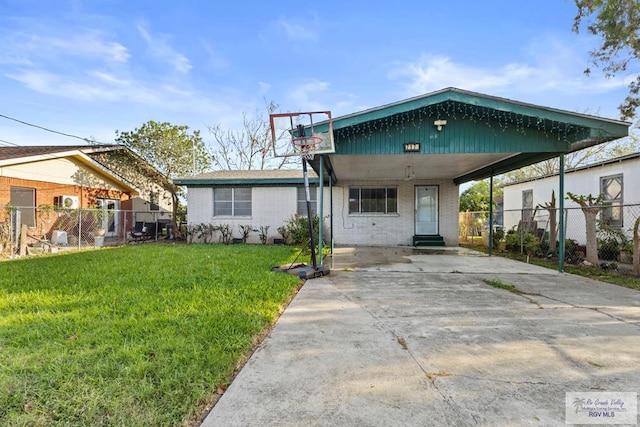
[301, 133]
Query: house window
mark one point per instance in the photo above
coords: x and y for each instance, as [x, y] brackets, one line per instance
[232, 202]
[611, 190]
[25, 200]
[527, 206]
[302, 200]
[364, 200]
[154, 200]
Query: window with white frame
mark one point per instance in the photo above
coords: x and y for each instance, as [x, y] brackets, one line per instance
[232, 201]
[611, 190]
[302, 200]
[378, 200]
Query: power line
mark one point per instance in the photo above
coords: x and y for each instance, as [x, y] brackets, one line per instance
[87, 140]
[9, 143]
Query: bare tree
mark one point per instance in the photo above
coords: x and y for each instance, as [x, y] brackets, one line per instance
[591, 207]
[249, 147]
[553, 221]
[576, 159]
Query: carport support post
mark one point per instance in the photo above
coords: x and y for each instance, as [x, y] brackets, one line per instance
[320, 209]
[561, 222]
[491, 214]
[331, 212]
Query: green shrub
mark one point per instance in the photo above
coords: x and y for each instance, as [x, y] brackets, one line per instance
[609, 249]
[529, 242]
[297, 229]
[498, 235]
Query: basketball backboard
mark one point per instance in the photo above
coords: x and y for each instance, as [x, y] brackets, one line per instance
[286, 128]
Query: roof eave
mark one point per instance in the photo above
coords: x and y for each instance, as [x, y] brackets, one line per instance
[261, 182]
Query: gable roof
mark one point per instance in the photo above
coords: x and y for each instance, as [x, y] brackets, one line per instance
[594, 165]
[260, 177]
[85, 153]
[452, 94]
[8, 153]
[485, 135]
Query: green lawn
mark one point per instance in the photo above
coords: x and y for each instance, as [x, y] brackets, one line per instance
[136, 335]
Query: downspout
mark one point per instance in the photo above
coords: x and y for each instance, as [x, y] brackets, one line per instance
[320, 209]
[491, 214]
[561, 223]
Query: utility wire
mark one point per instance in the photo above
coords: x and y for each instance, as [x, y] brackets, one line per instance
[9, 143]
[87, 140]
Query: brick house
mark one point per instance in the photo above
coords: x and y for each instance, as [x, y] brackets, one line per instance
[72, 177]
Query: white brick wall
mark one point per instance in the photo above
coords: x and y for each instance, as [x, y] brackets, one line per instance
[393, 229]
[270, 206]
[273, 206]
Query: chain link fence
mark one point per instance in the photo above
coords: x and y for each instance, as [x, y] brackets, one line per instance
[535, 231]
[33, 230]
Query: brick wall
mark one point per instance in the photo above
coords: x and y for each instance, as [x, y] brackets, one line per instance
[270, 206]
[46, 192]
[273, 206]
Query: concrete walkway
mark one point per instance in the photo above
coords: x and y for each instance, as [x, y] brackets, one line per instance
[396, 336]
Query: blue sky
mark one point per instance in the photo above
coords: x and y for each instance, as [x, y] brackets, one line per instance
[89, 67]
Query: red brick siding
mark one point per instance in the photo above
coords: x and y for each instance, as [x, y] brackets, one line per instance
[46, 192]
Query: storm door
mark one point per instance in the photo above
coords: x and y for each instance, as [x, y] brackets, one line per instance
[426, 215]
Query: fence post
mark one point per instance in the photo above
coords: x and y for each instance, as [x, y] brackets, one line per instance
[79, 228]
[490, 249]
[561, 226]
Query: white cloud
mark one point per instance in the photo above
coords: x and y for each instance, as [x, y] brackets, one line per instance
[296, 31]
[264, 87]
[160, 48]
[550, 65]
[26, 48]
[215, 60]
[307, 95]
[96, 86]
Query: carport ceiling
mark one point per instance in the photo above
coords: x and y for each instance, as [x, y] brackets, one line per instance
[392, 167]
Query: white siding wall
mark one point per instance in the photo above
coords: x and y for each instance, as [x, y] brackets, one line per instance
[581, 182]
[392, 229]
[61, 171]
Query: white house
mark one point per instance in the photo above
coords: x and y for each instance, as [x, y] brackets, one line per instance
[616, 179]
[393, 178]
[258, 198]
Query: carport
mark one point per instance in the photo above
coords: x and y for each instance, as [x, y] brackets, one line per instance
[393, 178]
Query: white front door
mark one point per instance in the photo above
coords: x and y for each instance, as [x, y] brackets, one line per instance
[426, 214]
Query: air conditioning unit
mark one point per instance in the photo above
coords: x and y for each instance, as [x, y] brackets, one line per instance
[68, 202]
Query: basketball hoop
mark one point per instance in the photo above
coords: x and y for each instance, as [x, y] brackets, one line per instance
[306, 145]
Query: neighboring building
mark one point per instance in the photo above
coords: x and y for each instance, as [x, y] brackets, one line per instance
[394, 176]
[616, 179]
[72, 177]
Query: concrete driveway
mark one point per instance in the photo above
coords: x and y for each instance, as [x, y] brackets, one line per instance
[397, 336]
